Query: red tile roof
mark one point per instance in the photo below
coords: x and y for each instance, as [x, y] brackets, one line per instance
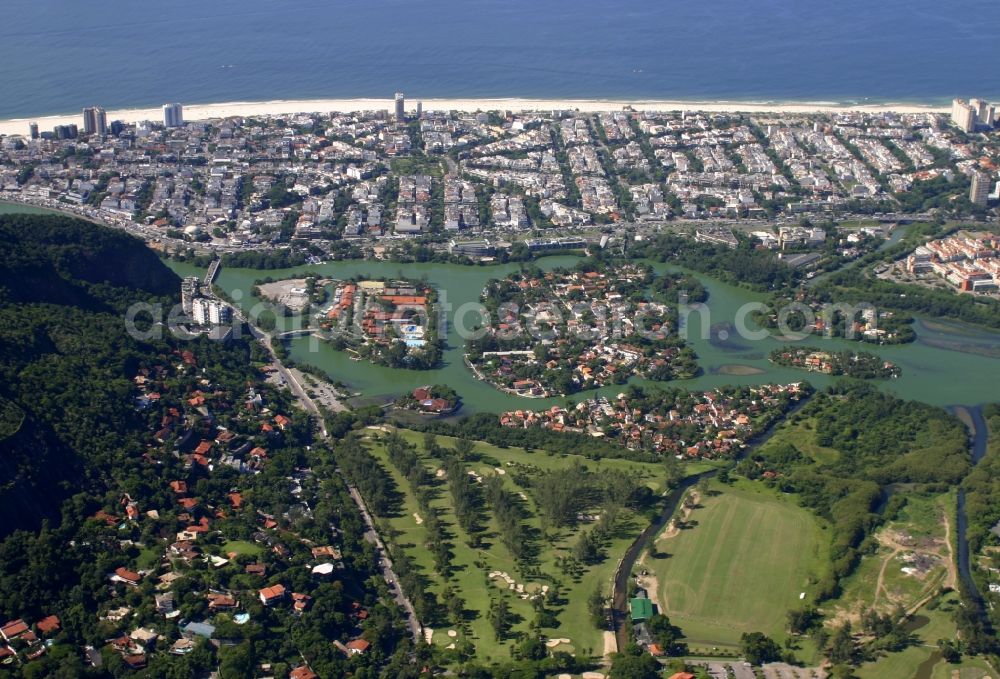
[48, 624]
[302, 672]
[359, 645]
[273, 592]
[127, 575]
[14, 628]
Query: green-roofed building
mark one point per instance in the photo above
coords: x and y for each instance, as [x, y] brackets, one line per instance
[642, 610]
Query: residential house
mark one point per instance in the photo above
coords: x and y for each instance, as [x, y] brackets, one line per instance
[272, 595]
[122, 574]
[14, 630]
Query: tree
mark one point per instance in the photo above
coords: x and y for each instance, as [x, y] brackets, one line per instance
[431, 445]
[541, 352]
[456, 607]
[689, 501]
[596, 606]
[464, 448]
[633, 663]
[702, 487]
[842, 648]
[673, 471]
[723, 476]
[587, 550]
[801, 621]
[949, 650]
[820, 637]
[500, 619]
[666, 634]
[532, 648]
[758, 648]
[236, 661]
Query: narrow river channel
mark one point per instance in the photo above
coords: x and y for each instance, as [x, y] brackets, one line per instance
[980, 434]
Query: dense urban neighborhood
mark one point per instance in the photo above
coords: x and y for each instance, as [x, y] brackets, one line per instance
[473, 184]
[968, 261]
[264, 440]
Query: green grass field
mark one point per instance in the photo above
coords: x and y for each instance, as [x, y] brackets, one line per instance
[148, 558]
[742, 566]
[414, 165]
[241, 547]
[472, 566]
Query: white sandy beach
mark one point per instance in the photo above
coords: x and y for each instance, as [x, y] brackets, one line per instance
[284, 107]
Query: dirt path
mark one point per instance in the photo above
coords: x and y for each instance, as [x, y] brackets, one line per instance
[952, 580]
[951, 577]
[651, 584]
[880, 583]
[610, 645]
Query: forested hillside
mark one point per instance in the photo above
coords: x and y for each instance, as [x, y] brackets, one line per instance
[162, 503]
[66, 359]
[67, 261]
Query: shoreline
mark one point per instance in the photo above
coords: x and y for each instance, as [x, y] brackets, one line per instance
[194, 112]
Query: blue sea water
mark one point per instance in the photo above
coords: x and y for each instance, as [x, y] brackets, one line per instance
[57, 56]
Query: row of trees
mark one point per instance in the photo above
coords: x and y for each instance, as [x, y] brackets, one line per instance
[485, 427]
[562, 495]
[368, 476]
[508, 511]
[982, 487]
[422, 487]
[282, 258]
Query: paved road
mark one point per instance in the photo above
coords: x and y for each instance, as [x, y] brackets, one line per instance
[385, 563]
[213, 269]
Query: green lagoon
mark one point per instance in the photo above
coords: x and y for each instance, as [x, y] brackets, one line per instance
[949, 364]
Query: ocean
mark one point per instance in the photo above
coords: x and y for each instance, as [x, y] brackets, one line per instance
[57, 56]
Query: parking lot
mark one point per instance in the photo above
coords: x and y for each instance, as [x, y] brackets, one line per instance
[742, 670]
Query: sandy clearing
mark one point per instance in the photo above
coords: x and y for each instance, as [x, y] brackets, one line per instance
[672, 530]
[610, 645]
